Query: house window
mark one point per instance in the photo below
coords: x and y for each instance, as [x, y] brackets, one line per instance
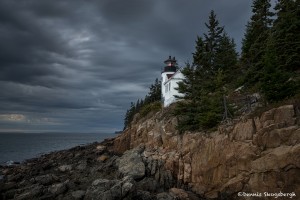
[166, 88]
[169, 86]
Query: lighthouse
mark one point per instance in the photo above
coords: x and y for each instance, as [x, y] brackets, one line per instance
[170, 77]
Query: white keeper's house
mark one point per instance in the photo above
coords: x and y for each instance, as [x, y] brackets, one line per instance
[170, 76]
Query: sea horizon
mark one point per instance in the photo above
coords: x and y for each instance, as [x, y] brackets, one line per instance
[20, 146]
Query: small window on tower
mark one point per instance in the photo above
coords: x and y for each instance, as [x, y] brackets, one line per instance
[169, 86]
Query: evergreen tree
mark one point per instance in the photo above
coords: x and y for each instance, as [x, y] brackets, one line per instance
[204, 80]
[187, 110]
[212, 75]
[155, 91]
[199, 56]
[277, 83]
[282, 57]
[202, 67]
[286, 34]
[153, 95]
[226, 58]
[138, 105]
[212, 40]
[126, 119]
[258, 24]
[254, 42]
[129, 115]
[188, 85]
[207, 57]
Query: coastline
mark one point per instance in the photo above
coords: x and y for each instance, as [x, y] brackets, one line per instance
[52, 174]
[93, 171]
[18, 147]
[139, 164]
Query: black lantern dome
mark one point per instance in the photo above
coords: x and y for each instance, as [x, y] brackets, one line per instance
[171, 65]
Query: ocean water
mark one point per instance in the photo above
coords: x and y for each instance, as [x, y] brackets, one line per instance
[18, 147]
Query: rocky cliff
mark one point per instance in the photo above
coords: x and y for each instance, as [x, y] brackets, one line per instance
[90, 172]
[256, 156]
[252, 155]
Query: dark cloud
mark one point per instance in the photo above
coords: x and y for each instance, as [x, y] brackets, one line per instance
[125, 12]
[77, 65]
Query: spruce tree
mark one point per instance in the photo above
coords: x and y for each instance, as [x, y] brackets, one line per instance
[188, 85]
[254, 42]
[207, 52]
[203, 87]
[226, 58]
[282, 58]
[259, 23]
[286, 34]
[153, 95]
[129, 115]
[277, 83]
[212, 39]
[221, 57]
[187, 110]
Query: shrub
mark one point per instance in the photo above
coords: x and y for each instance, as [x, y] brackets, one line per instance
[152, 107]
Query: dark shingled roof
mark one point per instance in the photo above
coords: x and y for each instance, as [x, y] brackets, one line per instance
[169, 75]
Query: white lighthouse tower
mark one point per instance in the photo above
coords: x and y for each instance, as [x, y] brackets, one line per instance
[170, 77]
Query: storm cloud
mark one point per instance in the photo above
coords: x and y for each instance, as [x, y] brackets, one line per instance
[75, 66]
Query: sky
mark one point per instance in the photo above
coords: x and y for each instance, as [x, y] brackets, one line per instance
[75, 65]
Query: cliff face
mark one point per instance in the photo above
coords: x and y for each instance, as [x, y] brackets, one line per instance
[259, 154]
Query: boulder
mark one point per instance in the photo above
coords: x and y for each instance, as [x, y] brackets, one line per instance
[7, 186]
[102, 158]
[46, 179]
[101, 148]
[285, 114]
[165, 196]
[32, 192]
[111, 189]
[65, 168]
[144, 195]
[179, 193]
[58, 188]
[82, 165]
[244, 130]
[78, 194]
[131, 164]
